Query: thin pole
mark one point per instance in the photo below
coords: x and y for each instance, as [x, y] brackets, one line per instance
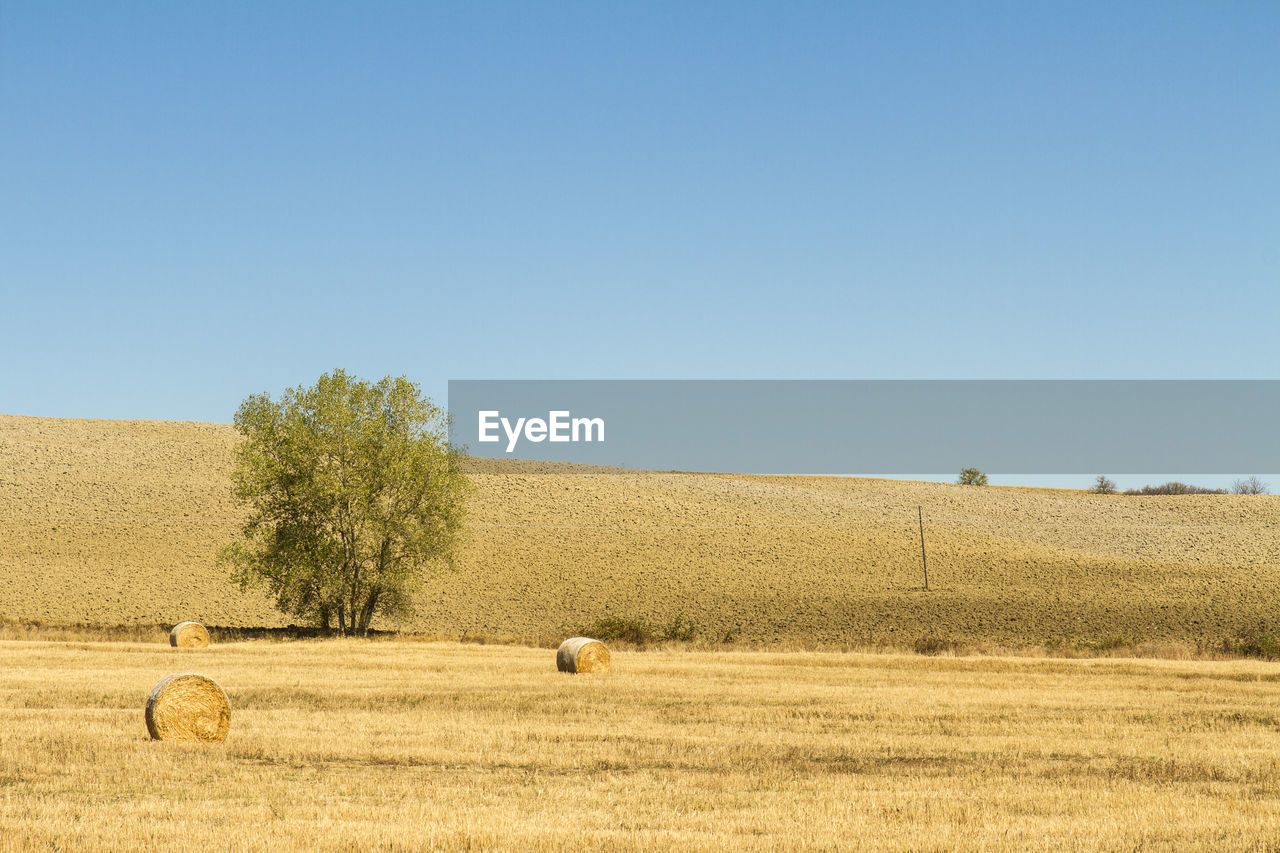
[924, 561]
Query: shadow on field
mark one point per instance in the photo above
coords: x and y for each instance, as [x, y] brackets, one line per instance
[35, 630]
[157, 633]
[1261, 642]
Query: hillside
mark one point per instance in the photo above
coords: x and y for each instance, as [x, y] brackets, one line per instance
[117, 522]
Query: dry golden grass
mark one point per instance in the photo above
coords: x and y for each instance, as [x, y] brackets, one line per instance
[417, 746]
[116, 522]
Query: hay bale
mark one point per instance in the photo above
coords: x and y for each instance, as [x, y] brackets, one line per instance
[188, 706]
[582, 654]
[189, 635]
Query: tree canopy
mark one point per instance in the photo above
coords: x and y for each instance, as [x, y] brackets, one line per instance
[353, 493]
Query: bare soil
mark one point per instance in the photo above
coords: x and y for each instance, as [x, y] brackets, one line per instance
[118, 523]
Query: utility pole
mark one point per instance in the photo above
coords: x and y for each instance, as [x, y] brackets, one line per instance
[924, 561]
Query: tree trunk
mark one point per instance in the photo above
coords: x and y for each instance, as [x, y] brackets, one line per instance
[355, 607]
[366, 613]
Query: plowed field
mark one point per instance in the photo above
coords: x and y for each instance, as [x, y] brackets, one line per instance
[118, 522]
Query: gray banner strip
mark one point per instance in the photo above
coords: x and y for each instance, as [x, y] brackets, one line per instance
[877, 426]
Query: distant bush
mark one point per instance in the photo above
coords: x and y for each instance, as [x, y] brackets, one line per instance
[681, 630]
[1173, 487]
[1106, 644]
[1250, 486]
[1089, 647]
[1104, 485]
[972, 477]
[624, 628]
[1260, 642]
[638, 632]
[933, 646]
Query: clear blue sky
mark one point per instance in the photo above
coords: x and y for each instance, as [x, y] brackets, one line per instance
[203, 200]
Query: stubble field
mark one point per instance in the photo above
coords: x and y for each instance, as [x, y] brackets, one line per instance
[118, 522]
[394, 745]
[410, 745]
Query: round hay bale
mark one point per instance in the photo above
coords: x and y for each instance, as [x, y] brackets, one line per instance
[188, 706]
[189, 635]
[582, 654]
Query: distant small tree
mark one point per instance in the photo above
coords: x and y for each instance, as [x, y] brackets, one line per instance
[1104, 485]
[972, 477]
[1250, 486]
[352, 492]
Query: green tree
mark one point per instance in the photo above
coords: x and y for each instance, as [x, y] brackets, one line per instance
[353, 494]
[972, 477]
